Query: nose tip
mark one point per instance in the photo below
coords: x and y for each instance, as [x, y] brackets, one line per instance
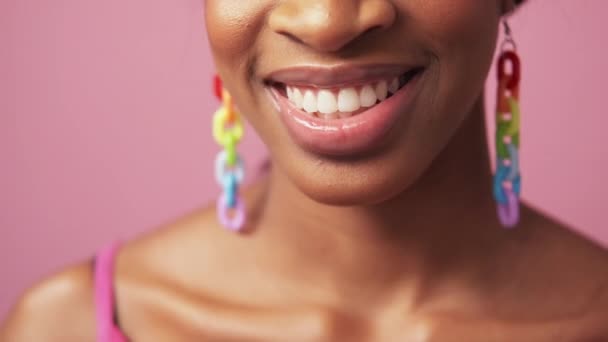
[330, 25]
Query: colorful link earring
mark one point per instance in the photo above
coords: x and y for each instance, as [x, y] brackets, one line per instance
[507, 179]
[229, 167]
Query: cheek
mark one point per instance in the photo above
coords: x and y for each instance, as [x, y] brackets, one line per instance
[232, 30]
[461, 36]
[233, 27]
[230, 26]
[452, 23]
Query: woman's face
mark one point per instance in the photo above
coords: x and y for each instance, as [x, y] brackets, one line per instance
[311, 76]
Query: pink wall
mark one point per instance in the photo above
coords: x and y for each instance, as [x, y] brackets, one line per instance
[105, 109]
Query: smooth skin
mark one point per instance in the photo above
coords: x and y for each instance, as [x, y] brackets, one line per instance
[398, 244]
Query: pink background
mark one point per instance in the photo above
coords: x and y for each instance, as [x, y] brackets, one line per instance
[105, 110]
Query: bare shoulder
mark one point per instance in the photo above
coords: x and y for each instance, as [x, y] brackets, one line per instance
[59, 308]
[564, 276]
[571, 252]
[176, 269]
[195, 240]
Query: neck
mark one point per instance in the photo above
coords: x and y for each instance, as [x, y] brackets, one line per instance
[443, 225]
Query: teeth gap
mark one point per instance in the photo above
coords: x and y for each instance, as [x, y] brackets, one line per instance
[405, 78]
[281, 88]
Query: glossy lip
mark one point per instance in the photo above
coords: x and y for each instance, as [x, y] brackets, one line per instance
[345, 136]
[338, 75]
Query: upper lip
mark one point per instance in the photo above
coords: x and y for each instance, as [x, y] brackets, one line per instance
[337, 75]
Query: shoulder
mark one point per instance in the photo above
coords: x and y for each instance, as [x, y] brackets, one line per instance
[566, 275]
[559, 247]
[59, 308]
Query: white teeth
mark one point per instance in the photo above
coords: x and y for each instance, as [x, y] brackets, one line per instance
[348, 100]
[381, 90]
[309, 103]
[326, 102]
[340, 103]
[297, 97]
[394, 86]
[368, 96]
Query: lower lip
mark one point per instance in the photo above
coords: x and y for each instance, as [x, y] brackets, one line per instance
[345, 136]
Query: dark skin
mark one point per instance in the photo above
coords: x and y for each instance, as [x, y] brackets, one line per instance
[401, 244]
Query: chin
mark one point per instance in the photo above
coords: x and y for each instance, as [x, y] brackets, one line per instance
[354, 183]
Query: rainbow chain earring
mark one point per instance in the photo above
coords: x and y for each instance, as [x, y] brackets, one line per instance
[507, 179]
[229, 169]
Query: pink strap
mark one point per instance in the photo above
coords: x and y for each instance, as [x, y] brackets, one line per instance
[104, 295]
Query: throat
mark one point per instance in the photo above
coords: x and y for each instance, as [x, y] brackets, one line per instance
[442, 230]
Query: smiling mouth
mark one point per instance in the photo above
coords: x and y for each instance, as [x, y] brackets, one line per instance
[344, 110]
[344, 100]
